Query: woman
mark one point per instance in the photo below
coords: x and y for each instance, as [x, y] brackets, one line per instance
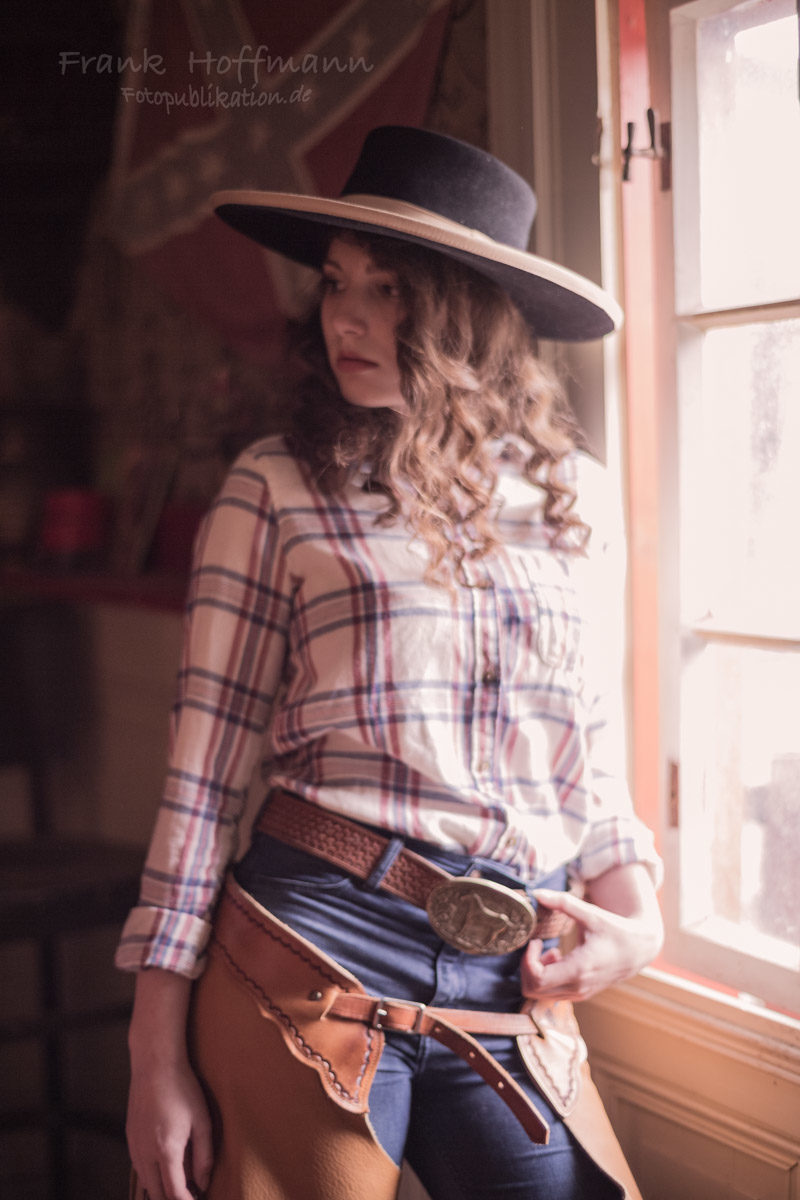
[390, 617]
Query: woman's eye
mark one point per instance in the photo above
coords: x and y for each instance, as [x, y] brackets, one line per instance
[329, 283]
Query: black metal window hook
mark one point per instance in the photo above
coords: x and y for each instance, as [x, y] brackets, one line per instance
[658, 148]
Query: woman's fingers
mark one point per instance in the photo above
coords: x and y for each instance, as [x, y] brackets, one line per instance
[610, 948]
[553, 955]
[164, 1179]
[150, 1180]
[201, 1154]
[173, 1175]
[169, 1133]
[550, 974]
[581, 911]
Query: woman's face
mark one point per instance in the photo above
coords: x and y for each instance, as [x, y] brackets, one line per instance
[360, 311]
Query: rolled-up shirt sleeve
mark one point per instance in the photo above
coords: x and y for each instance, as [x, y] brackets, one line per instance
[616, 836]
[233, 661]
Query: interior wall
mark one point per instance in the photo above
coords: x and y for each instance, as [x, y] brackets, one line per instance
[107, 686]
[576, 197]
[542, 100]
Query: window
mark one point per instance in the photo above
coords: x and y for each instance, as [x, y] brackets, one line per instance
[734, 847]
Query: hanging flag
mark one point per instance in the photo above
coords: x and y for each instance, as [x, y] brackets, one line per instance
[247, 94]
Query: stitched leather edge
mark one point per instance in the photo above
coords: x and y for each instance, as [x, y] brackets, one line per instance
[272, 1011]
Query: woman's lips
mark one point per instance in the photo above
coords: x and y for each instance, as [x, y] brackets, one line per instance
[352, 364]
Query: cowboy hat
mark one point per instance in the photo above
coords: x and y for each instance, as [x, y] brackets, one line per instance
[433, 190]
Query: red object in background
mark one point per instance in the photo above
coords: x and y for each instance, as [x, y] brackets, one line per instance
[253, 95]
[75, 527]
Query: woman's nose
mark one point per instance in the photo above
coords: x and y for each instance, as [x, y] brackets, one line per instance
[349, 312]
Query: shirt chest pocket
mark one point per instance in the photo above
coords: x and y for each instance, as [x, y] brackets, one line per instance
[553, 612]
[558, 626]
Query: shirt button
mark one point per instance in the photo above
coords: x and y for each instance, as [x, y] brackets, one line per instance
[491, 675]
[483, 767]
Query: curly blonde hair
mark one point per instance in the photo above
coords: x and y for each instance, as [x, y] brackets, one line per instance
[469, 374]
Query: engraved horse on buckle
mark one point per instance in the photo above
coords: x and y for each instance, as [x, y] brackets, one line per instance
[480, 917]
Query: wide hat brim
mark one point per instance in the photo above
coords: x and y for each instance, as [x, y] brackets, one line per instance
[557, 303]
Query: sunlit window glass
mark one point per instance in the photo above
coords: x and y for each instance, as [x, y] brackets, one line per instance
[749, 154]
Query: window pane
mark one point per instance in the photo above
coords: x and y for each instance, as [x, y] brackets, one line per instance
[742, 834]
[735, 134]
[749, 166]
[741, 485]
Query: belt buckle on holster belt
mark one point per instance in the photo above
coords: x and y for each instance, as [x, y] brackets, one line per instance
[480, 917]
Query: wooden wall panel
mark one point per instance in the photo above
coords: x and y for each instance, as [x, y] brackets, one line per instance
[704, 1110]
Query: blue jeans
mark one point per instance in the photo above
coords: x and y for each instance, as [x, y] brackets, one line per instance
[426, 1104]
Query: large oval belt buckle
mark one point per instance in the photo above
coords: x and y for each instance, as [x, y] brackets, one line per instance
[480, 917]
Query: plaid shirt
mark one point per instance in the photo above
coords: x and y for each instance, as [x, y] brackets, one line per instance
[316, 651]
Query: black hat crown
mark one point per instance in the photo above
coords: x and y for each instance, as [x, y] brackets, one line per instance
[448, 177]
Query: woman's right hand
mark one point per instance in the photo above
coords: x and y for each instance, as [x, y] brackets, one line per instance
[169, 1132]
[168, 1125]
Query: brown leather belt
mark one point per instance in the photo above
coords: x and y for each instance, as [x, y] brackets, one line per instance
[473, 914]
[454, 1028]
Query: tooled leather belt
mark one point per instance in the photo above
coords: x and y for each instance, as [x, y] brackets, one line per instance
[473, 914]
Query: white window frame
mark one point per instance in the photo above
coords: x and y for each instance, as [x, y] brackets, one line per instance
[698, 940]
[524, 131]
